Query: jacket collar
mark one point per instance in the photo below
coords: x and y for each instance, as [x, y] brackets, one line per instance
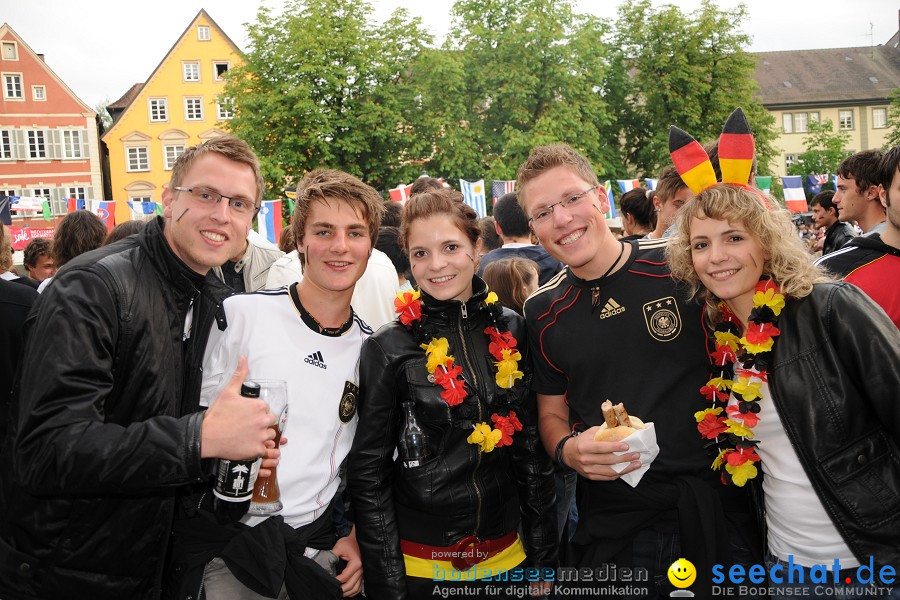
[183, 279]
[448, 310]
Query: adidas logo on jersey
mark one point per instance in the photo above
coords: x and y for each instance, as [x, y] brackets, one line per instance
[316, 360]
[611, 308]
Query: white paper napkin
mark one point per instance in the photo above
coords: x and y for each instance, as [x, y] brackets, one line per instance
[644, 442]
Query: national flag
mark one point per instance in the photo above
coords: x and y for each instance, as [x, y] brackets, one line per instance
[473, 194]
[764, 184]
[400, 193]
[268, 222]
[73, 204]
[106, 210]
[606, 190]
[651, 183]
[159, 209]
[5, 214]
[626, 185]
[499, 187]
[794, 196]
[148, 208]
[45, 210]
[815, 182]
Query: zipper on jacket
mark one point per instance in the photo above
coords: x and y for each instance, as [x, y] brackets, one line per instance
[462, 341]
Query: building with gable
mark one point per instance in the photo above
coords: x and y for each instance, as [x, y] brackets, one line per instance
[181, 104]
[849, 86]
[49, 143]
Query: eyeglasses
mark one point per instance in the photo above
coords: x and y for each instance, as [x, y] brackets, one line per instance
[208, 197]
[543, 214]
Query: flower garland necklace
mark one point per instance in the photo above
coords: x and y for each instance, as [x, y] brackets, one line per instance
[733, 434]
[443, 371]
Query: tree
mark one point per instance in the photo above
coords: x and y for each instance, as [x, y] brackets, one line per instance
[105, 118]
[893, 121]
[689, 71]
[825, 149]
[515, 75]
[322, 86]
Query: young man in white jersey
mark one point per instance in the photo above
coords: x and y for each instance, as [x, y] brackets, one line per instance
[308, 335]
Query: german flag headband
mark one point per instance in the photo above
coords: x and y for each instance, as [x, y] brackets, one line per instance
[736, 149]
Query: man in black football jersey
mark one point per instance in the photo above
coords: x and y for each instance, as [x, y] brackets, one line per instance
[614, 325]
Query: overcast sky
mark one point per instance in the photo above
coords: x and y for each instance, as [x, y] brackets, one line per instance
[101, 47]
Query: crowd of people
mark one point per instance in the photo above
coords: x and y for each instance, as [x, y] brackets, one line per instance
[446, 380]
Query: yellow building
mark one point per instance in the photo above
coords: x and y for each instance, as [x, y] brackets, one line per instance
[849, 86]
[180, 105]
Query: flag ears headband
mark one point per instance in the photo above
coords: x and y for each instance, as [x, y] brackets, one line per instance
[736, 149]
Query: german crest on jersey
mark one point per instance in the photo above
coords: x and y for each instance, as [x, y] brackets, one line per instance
[663, 319]
[349, 399]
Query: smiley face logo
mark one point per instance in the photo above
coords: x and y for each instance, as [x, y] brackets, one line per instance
[682, 573]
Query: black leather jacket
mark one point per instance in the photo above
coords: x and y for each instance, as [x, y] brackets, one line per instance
[104, 430]
[837, 236]
[459, 491]
[835, 380]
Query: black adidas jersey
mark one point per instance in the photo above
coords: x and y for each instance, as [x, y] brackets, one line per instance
[629, 337]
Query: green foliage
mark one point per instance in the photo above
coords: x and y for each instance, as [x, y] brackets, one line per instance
[825, 149]
[686, 70]
[323, 87]
[893, 121]
[105, 118]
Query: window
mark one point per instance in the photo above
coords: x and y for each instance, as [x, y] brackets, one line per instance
[39, 92]
[787, 122]
[6, 144]
[191, 71]
[44, 193]
[37, 143]
[172, 153]
[12, 86]
[193, 109]
[203, 33]
[71, 139]
[225, 108]
[789, 159]
[135, 200]
[219, 70]
[845, 118]
[10, 51]
[9, 192]
[79, 193]
[798, 122]
[159, 109]
[879, 118]
[138, 159]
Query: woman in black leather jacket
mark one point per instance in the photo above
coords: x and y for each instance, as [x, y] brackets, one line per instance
[459, 360]
[806, 390]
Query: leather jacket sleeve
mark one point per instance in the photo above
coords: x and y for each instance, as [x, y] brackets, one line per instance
[65, 439]
[534, 477]
[370, 470]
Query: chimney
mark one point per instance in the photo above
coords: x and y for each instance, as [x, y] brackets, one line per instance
[41, 56]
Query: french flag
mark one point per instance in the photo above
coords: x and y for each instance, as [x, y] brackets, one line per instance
[651, 183]
[794, 196]
[626, 185]
[268, 222]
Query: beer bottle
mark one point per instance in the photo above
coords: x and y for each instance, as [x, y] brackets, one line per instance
[413, 441]
[235, 478]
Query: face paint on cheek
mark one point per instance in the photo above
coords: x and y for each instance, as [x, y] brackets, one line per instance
[182, 215]
[753, 260]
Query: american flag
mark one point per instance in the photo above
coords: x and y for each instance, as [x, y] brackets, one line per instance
[500, 187]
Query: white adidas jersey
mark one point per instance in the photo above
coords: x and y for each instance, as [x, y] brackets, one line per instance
[267, 328]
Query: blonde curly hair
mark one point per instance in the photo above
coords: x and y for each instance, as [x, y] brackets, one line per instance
[789, 263]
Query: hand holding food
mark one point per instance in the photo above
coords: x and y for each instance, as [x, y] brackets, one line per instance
[618, 423]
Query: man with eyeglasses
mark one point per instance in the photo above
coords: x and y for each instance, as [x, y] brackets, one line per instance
[105, 430]
[613, 325]
[247, 270]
